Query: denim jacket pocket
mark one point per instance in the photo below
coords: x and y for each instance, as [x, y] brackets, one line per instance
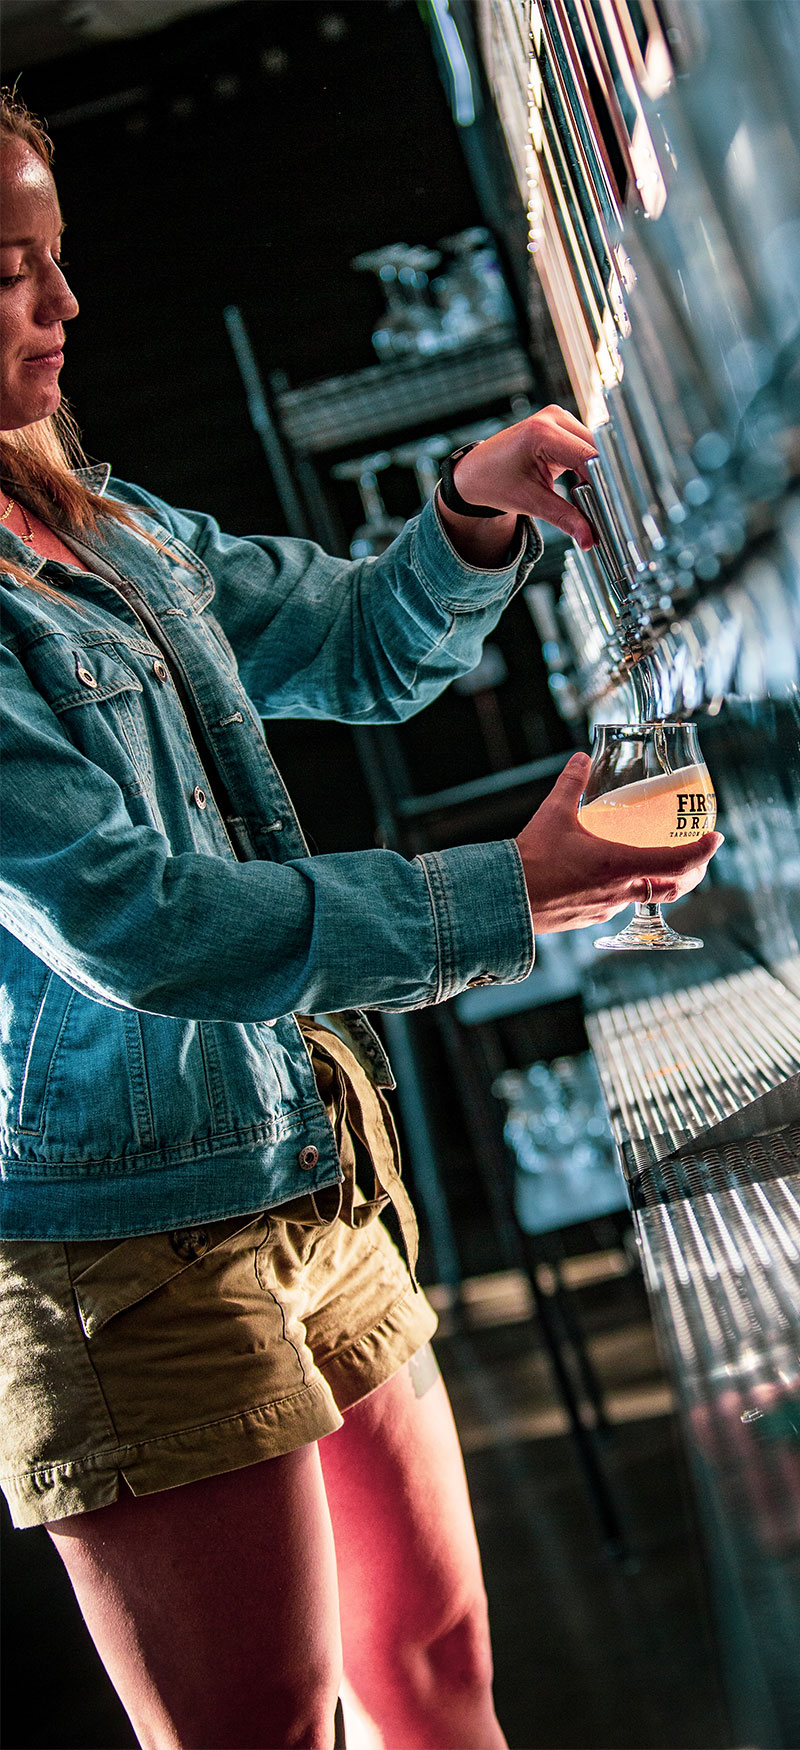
[128, 1271]
[193, 578]
[71, 672]
[98, 698]
[47, 1030]
[57, 1052]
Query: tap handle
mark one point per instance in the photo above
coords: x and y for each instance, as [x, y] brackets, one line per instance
[592, 507]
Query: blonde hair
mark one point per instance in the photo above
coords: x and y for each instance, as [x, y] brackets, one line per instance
[37, 461]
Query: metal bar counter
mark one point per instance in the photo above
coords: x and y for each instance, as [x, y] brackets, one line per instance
[703, 1088]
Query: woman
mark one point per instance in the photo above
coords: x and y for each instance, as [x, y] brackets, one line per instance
[196, 1284]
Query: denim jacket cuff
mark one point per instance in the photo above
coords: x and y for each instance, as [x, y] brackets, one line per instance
[459, 586]
[482, 918]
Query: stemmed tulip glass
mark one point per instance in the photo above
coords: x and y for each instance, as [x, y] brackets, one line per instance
[648, 786]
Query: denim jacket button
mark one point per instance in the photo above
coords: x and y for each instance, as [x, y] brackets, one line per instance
[160, 670]
[308, 1157]
[85, 675]
[190, 1243]
[199, 796]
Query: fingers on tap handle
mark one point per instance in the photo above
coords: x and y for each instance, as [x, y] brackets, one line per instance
[564, 515]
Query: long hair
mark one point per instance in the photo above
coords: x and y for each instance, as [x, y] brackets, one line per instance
[37, 461]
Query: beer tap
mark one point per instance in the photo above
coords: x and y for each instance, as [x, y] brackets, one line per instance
[651, 437]
[615, 513]
[588, 501]
[633, 464]
[584, 626]
[596, 503]
[603, 600]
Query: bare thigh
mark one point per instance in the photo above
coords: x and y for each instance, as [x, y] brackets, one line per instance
[214, 1606]
[413, 1608]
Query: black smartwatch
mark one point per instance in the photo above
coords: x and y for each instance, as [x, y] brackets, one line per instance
[449, 493]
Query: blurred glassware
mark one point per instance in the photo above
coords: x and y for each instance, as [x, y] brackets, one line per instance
[558, 1132]
[411, 326]
[378, 529]
[478, 430]
[466, 301]
[471, 293]
[424, 457]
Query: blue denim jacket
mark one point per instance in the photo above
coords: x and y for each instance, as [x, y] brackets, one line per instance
[152, 1073]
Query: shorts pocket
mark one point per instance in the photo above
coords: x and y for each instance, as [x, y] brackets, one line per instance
[109, 1277]
[295, 1231]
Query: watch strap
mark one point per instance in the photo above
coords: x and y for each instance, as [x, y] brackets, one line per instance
[449, 493]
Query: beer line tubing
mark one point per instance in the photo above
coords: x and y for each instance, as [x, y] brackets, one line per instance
[748, 1062]
[768, 1052]
[702, 1096]
[650, 1117]
[766, 997]
[713, 1081]
[784, 1237]
[653, 1100]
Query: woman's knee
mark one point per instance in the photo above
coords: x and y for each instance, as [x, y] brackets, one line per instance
[456, 1657]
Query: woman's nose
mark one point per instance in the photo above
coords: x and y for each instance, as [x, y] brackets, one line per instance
[57, 302]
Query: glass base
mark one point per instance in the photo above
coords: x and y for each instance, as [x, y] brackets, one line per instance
[647, 929]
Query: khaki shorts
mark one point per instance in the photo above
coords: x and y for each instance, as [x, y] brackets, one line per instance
[170, 1357]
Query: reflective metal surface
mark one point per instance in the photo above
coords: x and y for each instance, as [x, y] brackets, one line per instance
[703, 1087]
[723, 1269]
[665, 228]
[676, 1066]
[664, 212]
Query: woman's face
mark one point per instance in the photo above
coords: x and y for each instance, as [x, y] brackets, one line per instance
[35, 300]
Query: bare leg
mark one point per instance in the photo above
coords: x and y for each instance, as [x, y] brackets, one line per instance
[214, 1607]
[362, 1732]
[413, 1608]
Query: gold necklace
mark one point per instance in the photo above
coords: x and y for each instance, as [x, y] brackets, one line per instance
[27, 534]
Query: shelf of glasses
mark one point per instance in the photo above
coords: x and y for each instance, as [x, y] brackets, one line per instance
[339, 411]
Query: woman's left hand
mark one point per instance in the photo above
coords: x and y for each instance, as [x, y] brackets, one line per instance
[516, 470]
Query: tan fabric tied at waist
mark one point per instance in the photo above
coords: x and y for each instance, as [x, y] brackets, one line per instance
[360, 1114]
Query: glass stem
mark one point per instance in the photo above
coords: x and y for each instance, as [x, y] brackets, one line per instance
[647, 912]
[370, 495]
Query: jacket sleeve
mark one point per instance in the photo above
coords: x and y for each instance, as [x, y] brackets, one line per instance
[100, 899]
[362, 641]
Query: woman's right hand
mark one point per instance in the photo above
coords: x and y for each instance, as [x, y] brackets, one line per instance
[574, 879]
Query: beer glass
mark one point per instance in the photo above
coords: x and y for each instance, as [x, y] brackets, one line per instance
[648, 786]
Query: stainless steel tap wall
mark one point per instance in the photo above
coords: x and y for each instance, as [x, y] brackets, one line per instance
[663, 195]
[664, 205]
